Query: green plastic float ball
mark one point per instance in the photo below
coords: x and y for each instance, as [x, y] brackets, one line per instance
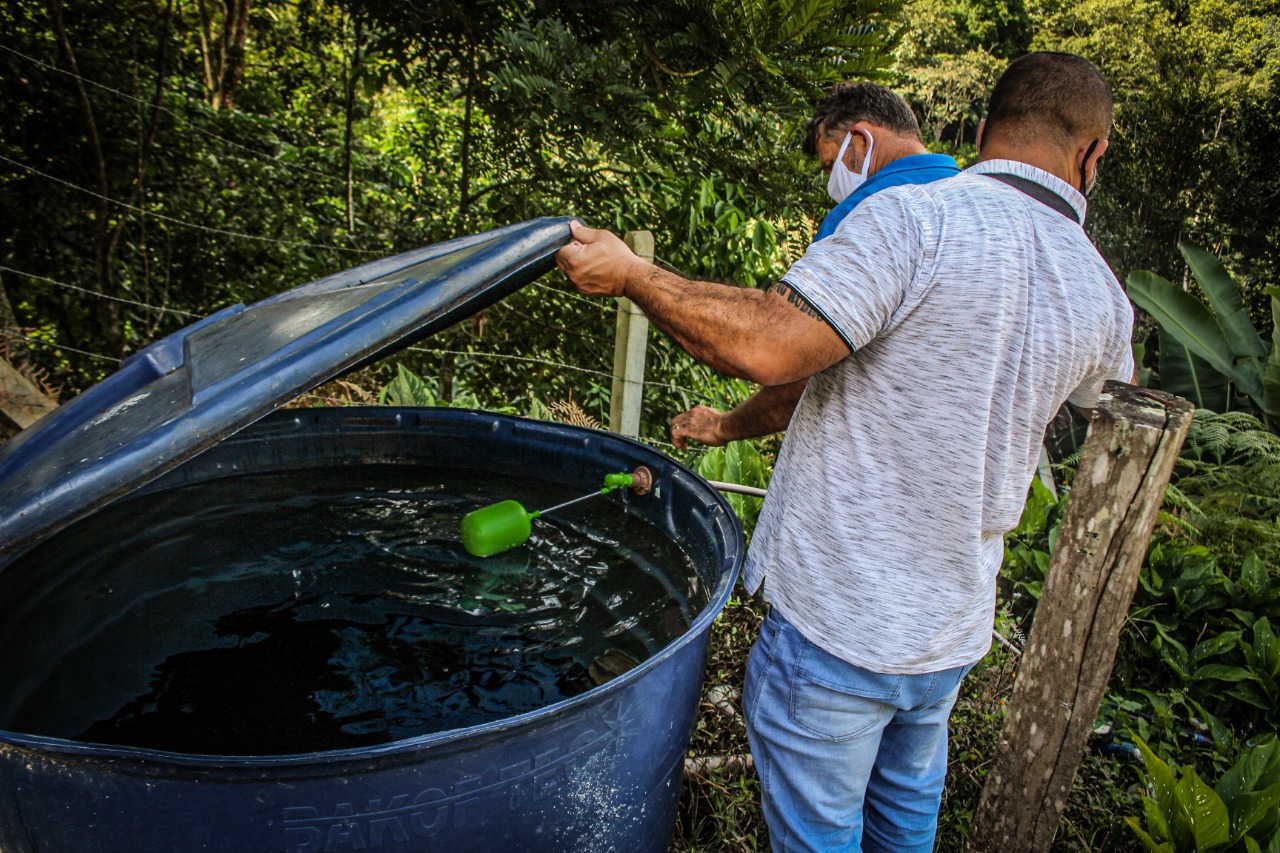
[495, 528]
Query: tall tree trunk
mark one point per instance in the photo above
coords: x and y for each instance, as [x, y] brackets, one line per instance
[147, 129]
[205, 31]
[235, 34]
[354, 68]
[110, 320]
[464, 189]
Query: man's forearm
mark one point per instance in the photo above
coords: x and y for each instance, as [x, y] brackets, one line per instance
[736, 330]
[712, 322]
[765, 412]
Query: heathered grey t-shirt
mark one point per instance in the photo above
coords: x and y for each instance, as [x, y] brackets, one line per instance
[973, 311]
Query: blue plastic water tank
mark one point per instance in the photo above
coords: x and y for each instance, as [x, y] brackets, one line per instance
[599, 772]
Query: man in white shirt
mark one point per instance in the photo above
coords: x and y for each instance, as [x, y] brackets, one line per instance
[941, 327]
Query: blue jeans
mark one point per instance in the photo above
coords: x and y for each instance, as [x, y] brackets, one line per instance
[849, 759]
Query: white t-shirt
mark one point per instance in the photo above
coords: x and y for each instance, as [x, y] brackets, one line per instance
[973, 311]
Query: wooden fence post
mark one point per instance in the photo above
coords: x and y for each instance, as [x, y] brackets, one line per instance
[629, 345]
[1125, 465]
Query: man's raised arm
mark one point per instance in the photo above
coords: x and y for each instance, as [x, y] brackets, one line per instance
[770, 338]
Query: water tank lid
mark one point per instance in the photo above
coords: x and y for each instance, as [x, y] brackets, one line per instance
[190, 390]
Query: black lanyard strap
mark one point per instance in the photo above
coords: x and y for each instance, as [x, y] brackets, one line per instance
[1040, 193]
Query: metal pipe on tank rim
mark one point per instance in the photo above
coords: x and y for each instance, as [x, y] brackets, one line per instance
[738, 489]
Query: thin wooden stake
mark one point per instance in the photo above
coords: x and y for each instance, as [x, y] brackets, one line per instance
[629, 345]
[1125, 465]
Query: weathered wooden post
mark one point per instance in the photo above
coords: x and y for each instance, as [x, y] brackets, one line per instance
[629, 345]
[1125, 465]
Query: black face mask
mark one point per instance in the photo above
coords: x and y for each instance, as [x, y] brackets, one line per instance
[1084, 165]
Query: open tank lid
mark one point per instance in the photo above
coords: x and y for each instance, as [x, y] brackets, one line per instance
[190, 390]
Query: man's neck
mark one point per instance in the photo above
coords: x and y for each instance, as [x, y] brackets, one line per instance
[1047, 158]
[893, 148]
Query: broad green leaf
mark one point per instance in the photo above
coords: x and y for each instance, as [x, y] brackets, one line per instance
[1274, 846]
[408, 389]
[1203, 812]
[1155, 819]
[1250, 694]
[1148, 842]
[1247, 810]
[1218, 730]
[1221, 672]
[1192, 324]
[760, 237]
[1264, 643]
[1144, 373]
[1188, 375]
[1254, 578]
[1251, 656]
[1035, 511]
[1224, 642]
[1224, 296]
[1268, 827]
[1270, 686]
[1162, 781]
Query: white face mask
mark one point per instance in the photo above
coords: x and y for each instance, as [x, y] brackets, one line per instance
[843, 181]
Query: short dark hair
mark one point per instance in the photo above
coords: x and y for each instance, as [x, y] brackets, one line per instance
[846, 104]
[1058, 96]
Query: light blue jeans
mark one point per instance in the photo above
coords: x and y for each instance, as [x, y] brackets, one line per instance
[849, 760]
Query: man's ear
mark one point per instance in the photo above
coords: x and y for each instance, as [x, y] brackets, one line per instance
[1089, 159]
[982, 125]
[857, 149]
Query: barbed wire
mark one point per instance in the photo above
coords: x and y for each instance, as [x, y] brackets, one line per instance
[586, 336]
[260, 154]
[98, 293]
[501, 355]
[183, 222]
[598, 304]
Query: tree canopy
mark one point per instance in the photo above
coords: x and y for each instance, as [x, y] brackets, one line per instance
[163, 158]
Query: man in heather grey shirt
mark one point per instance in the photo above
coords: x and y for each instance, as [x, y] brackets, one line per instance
[940, 327]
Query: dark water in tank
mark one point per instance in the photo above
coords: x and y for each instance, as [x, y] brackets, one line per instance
[329, 608]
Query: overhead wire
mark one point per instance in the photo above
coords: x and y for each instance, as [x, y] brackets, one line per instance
[500, 355]
[260, 154]
[99, 294]
[595, 303]
[598, 305]
[9, 333]
[185, 223]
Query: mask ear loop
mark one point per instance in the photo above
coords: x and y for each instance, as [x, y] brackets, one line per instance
[866, 161]
[844, 146]
[1084, 167]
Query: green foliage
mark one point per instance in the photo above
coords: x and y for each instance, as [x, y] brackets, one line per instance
[410, 389]
[951, 55]
[1199, 341]
[368, 127]
[738, 462]
[1027, 549]
[1229, 478]
[1197, 92]
[1240, 813]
